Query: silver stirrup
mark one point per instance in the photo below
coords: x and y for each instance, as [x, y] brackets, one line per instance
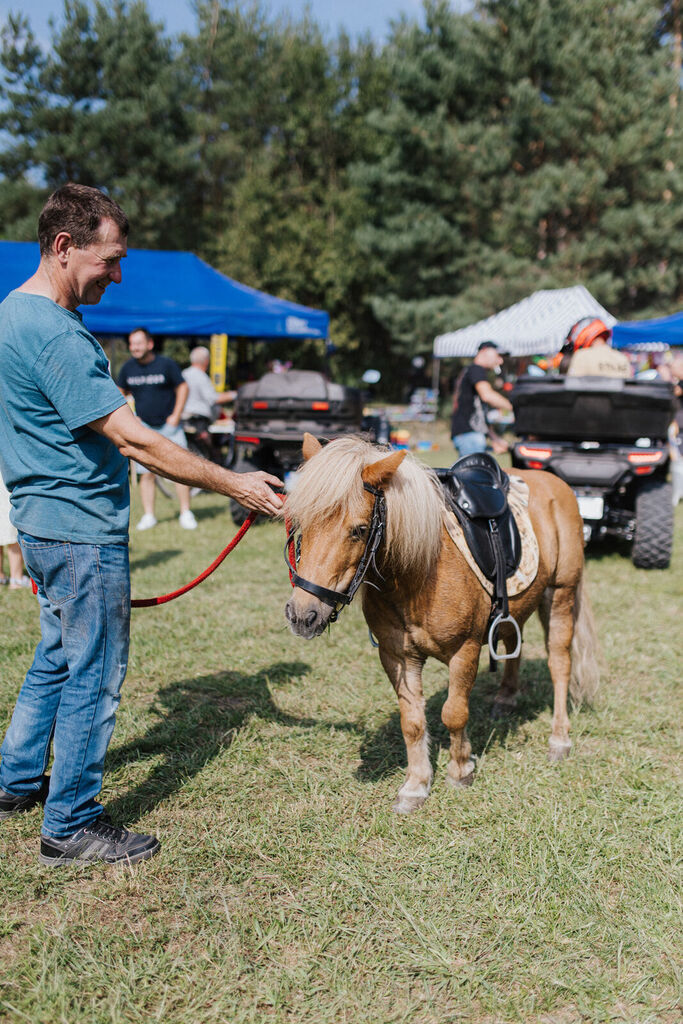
[499, 619]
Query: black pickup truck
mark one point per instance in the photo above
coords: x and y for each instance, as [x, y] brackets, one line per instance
[273, 413]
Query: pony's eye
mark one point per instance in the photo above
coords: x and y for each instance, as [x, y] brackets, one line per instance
[358, 532]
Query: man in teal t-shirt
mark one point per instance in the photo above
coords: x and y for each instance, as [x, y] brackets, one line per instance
[80, 492]
[65, 435]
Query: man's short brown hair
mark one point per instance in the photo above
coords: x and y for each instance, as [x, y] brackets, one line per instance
[78, 210]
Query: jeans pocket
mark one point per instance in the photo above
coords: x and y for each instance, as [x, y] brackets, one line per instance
[51, 565]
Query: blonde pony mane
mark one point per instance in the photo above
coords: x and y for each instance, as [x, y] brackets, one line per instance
[329, 487]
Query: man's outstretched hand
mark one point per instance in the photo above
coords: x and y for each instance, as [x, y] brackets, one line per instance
[255, 491]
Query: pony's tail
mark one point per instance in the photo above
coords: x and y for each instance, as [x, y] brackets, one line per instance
[585, 674]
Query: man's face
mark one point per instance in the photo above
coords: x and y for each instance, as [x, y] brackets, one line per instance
[93, 268]
[490, 358]
[139, 345]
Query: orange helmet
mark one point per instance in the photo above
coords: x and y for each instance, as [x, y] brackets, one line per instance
[584, 332]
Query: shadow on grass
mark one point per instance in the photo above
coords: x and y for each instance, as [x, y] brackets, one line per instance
[384, 751]
[606, 548]
[154, 558]
[211, 511]
[197, 718]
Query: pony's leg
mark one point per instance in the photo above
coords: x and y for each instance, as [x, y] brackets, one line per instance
[406, 678]
[506, 699]
[557, 615]
[462, 672]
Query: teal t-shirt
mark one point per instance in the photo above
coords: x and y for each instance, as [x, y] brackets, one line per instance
[67, 482]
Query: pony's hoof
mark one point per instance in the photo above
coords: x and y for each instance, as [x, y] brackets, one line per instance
[558, 750]
[408, 804]
[501, 711]
[463, 782]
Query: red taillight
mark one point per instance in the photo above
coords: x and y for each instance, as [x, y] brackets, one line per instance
[259, 405]
[643, 470]
[645, 458]
[528, 451]
[247, 440]
[320, 406]
[534, 464]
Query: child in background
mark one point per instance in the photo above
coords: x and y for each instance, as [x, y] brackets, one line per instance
[8, 539]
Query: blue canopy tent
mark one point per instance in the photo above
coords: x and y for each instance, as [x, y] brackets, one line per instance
[653, 335]
[176, 293]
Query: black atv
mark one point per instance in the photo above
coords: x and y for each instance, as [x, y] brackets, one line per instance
[607, 438]
[273, 413]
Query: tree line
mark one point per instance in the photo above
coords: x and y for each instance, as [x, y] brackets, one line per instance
[409, 187]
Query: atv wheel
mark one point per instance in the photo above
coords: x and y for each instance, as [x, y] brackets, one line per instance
[653, 537]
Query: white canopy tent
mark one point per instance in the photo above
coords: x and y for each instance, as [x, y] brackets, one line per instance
[537, 325]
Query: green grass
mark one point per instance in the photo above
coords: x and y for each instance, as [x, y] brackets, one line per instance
[286, 890]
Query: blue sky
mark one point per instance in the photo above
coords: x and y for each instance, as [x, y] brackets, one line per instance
[357, 16]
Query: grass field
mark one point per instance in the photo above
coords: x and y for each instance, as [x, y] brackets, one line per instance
[286, 890]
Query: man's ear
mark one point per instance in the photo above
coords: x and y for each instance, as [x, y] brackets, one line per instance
[61, 245]
[311, 446]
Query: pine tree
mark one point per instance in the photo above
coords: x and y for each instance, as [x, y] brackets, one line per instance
[21, 64]
[230, 67]
[592, 193]
[530, 144]
[105, 108]
[283, 112]
[431, 183]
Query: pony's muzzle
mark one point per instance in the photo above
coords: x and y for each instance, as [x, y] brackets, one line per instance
[307, 616]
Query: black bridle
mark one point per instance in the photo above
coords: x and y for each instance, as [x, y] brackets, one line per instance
[336, 598]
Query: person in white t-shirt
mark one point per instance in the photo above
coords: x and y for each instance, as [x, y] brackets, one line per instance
[201, 406]
[17, 578]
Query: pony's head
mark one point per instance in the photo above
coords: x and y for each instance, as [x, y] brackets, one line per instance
[331, 508]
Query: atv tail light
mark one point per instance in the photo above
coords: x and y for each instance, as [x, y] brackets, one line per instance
[259, 405]
[528, 451]
[645, 458]
[320, 406]
[247, 440]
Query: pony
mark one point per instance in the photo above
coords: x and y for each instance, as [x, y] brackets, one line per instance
[420, 597]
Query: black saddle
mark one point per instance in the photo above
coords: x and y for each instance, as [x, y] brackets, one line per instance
[475, 488]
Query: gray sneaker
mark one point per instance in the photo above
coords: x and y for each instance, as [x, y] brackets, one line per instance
[100, 840]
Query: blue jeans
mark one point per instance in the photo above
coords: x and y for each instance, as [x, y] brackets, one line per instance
[469, 443]
[72, 690]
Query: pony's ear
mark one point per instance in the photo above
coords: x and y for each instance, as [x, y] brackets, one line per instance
[311, 446]
[378, 473]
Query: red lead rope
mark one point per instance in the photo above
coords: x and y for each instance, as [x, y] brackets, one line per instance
[148, 602]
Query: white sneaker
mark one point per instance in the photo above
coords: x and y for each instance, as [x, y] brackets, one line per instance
[187, 520]
[17, 582]
[147, 522]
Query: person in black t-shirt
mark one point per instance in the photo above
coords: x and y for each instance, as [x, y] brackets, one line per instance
[160, 392]
[472, 392]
